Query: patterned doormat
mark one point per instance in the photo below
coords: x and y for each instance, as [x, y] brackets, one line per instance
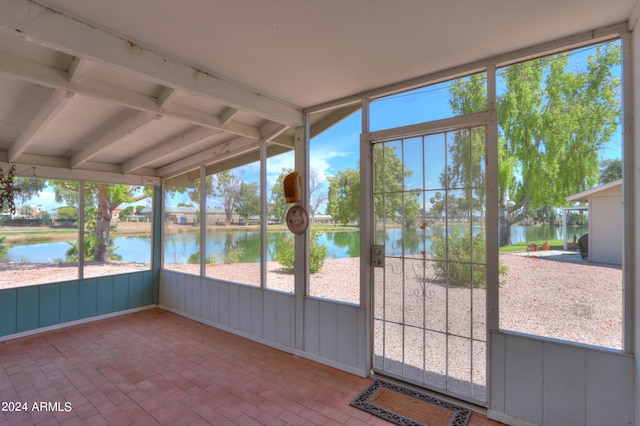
[403, 406]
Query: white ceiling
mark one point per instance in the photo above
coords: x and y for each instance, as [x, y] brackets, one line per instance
[123, 88]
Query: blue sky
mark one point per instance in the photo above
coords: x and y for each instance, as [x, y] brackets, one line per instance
[338, 147]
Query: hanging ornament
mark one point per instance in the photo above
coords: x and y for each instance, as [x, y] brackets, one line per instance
[7, 190]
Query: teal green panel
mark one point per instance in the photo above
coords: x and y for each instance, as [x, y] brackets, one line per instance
[135, 290]
[87, 298]
[49, 304]
[105, 295]
[8, 309]
[120, 292]
[27, 305]
[69, 296]
[147, 288]
[158, 202]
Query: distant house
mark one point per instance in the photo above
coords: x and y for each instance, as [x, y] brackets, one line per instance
[605, 221]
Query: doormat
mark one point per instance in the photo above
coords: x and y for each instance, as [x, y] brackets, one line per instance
[403, 406]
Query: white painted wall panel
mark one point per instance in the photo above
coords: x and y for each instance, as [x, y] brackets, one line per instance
[257, 312]
[551, 383]
[214, 302]
[223, 303]
[270, 316]
[497, 363]
[312, 326]
[284, 318]
[347, 331]
[565, 370]
[244, 309]
[187, 290]
[605, 239]
[234, 307]
[181, 293]
[523, 377]
[205, 299]
[610, 387]
[197, 297]
[328, 330]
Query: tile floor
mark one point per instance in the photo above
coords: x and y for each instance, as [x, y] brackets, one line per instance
[155, 367]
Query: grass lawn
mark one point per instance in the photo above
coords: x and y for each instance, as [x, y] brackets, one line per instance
[522, 246]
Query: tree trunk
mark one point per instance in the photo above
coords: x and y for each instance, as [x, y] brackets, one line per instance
[504, 231]
[103, 227]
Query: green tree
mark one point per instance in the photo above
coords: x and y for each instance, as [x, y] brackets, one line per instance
[610, 170]
[277, 202]
[553, 121]
[391, 202]
[67, 213]
[227, 186]
[105, 198]
[344, 196]
[248, 203]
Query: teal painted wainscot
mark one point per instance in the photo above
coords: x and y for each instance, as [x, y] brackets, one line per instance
[33, 307]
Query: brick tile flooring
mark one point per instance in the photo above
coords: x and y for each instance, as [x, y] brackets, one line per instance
[155, 367]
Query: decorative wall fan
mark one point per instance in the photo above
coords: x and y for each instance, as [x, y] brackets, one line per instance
[7, 190]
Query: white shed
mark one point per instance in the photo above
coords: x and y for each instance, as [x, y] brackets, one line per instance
[605, 221]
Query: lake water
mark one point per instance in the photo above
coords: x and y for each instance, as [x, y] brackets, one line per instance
[340, 244]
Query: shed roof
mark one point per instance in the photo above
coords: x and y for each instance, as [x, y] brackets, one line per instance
[598, 190]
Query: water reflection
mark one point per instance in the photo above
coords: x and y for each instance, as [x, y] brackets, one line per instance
[245, 245]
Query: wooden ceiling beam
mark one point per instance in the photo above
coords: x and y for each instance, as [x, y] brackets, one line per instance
[52, 77]
[133, 124]
[181, 142]
[55, 30]
[45, 115]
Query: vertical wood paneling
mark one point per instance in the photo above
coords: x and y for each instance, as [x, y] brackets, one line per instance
[205, 299]
[8, 311]
[27, 308]
[223, 303]
[610, 389]
[284, 318]
[181, 292]
[214, 301]
[49, 305]
[87, 298]
[347, 327]
[497, 371]
[148, 289]
[523, 374]
[312, 326]
[187, 293]
[234, 307]
[120, 294]
[363, 342]
[69, 301]
[165, 288]
[175, 290]
[257, 312]
[197, 296]
[135, 290]
[104, 291]
[270, 316]
[564, 392]
[244, 301]
[329, 330]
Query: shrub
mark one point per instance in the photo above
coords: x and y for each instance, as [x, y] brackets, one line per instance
[456, 265]
[285, 253]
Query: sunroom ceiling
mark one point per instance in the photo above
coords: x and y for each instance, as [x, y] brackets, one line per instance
[137, 90]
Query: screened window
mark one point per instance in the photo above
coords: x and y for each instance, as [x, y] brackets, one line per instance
[560, 146]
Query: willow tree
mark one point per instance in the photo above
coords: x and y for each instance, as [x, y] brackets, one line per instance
[554, 115]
